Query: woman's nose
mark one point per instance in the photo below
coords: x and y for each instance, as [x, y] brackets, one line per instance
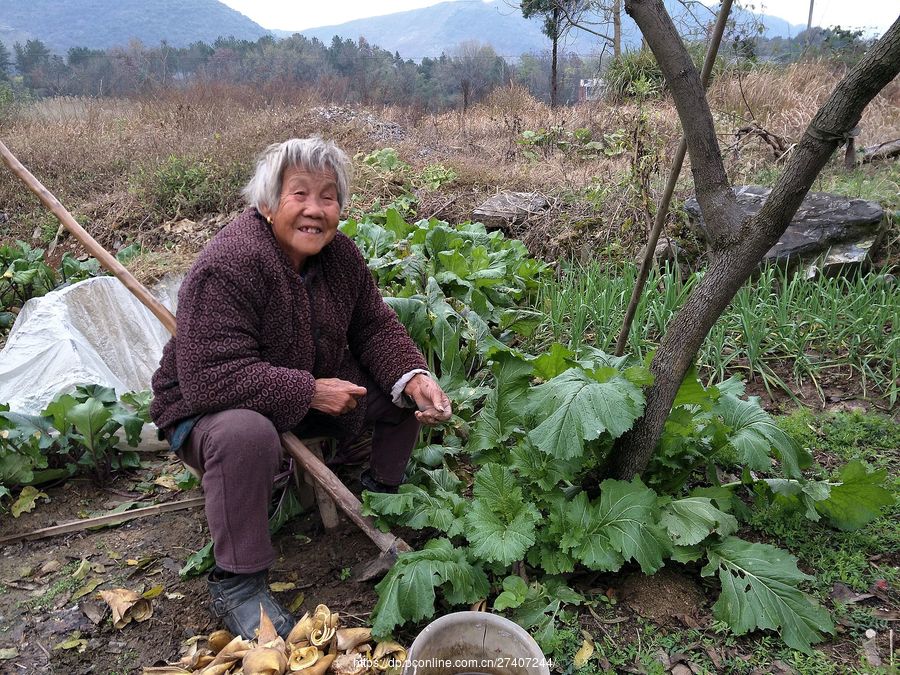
[313, 206]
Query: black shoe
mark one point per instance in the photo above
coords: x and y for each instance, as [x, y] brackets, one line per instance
[369, 483]
[236, 599]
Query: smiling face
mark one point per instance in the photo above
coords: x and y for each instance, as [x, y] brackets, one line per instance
[307, 216]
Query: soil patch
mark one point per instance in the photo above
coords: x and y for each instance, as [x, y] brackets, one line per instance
[38, 610]
[665, 596]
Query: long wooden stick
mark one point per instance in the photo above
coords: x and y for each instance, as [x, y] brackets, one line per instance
[107, 520]
[343, 498]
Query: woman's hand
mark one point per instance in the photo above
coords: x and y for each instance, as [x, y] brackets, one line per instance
[335, 396]
[432, 403]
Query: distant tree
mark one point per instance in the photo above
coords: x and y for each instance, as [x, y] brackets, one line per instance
[475, 69]
[78, 56]
[5, 62]
[36, 64]
[558, 18]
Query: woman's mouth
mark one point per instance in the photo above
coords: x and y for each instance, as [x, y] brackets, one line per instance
[310, 230]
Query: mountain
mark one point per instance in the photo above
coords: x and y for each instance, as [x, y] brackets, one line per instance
[437, 29]
[99, 24]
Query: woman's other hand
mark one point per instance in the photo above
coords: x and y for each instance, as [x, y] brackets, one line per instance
[432, 403]
[335, 396]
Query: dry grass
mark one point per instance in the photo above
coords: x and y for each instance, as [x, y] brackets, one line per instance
[97, 156]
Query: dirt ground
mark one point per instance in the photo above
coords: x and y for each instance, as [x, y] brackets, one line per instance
[38, 611]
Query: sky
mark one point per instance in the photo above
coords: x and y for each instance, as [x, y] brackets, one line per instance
[870, 15]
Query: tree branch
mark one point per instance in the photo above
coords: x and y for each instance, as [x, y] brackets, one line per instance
[732, 265]
[721, 212]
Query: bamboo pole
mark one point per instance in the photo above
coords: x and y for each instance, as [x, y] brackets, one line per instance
[103, 521]
[343, 498]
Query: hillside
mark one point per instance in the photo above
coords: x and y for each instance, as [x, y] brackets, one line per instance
[437, 29]
[100, 24]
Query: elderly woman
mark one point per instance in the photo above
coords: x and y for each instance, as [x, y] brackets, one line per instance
[281, 327]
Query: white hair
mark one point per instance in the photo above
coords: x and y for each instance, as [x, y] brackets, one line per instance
[308, 154]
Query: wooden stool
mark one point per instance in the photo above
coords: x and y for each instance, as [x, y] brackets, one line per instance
[311, 492]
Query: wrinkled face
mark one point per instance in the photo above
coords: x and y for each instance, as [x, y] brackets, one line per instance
[307, 216]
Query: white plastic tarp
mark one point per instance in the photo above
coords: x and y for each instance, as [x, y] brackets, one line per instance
[94, 331]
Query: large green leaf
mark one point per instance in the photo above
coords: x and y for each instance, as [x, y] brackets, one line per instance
[500, 523]
[857, 499]
[754, 435]
[621, 525]
[418, 509]
[759, 591]
[89, 418]
[413, 314]
[691, 392]
[692, 519]
[499, 416]
[407, 593]
[131, 423]
[555, 361]
[540, 468]
[574, 407]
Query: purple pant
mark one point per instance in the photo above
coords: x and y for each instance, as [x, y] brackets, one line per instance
[239, 452]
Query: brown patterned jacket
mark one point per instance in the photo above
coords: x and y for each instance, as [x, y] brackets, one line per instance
[253, 333]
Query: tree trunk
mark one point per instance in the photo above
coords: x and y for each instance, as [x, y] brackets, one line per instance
[737, 244]
[617, 28]
[553, 64]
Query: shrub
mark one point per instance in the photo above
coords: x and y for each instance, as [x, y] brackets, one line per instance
[191, 187]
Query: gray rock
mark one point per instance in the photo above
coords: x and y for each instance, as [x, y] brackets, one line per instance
[667, 250]
[506, 208]
[846, 230]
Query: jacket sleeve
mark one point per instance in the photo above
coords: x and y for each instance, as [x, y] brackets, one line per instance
[218, 354]
[376, 337]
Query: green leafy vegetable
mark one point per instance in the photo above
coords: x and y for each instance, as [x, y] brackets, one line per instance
[759, 591]
[407, 593]
[500, 523]
[574, 407]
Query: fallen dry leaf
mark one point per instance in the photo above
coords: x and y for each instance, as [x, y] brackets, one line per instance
[294, 605]
[151, 593]
[93, 610]
[27, 500]
[174, 596]
[87, 588]
[584, 654]
[74, 641]
[8, 653]
[126, 606]
[842, 593]
[886, 614]
[282, 586]
[50, 567]
[168, 482]
[83, 568]
[870, 651]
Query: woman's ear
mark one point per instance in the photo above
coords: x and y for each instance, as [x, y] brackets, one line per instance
[266, 213]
